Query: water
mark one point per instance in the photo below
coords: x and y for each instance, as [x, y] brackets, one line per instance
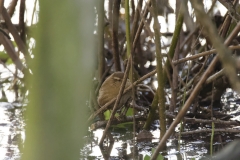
[11, 131]
[120, 144]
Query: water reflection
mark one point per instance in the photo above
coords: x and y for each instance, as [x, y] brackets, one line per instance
[11, 131]
[120, 143]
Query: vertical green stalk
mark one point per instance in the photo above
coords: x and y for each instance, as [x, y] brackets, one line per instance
[175, 37]
[212, 136]
[100, 33]
[167, 66]
[130, 55]
[127, 22]
[176, 33]
[181, 123]
[160, 90]
[57, 112]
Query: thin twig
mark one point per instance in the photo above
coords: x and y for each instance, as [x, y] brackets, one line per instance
[198, 86]
[127, 21]
[227, 130]
[201, 55]
[115, 19]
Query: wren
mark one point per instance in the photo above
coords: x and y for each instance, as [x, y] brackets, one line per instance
[110, 89]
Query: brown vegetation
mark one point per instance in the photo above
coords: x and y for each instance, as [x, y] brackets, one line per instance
[196, 62]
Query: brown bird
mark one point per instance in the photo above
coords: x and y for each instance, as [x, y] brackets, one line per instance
[110, 89]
